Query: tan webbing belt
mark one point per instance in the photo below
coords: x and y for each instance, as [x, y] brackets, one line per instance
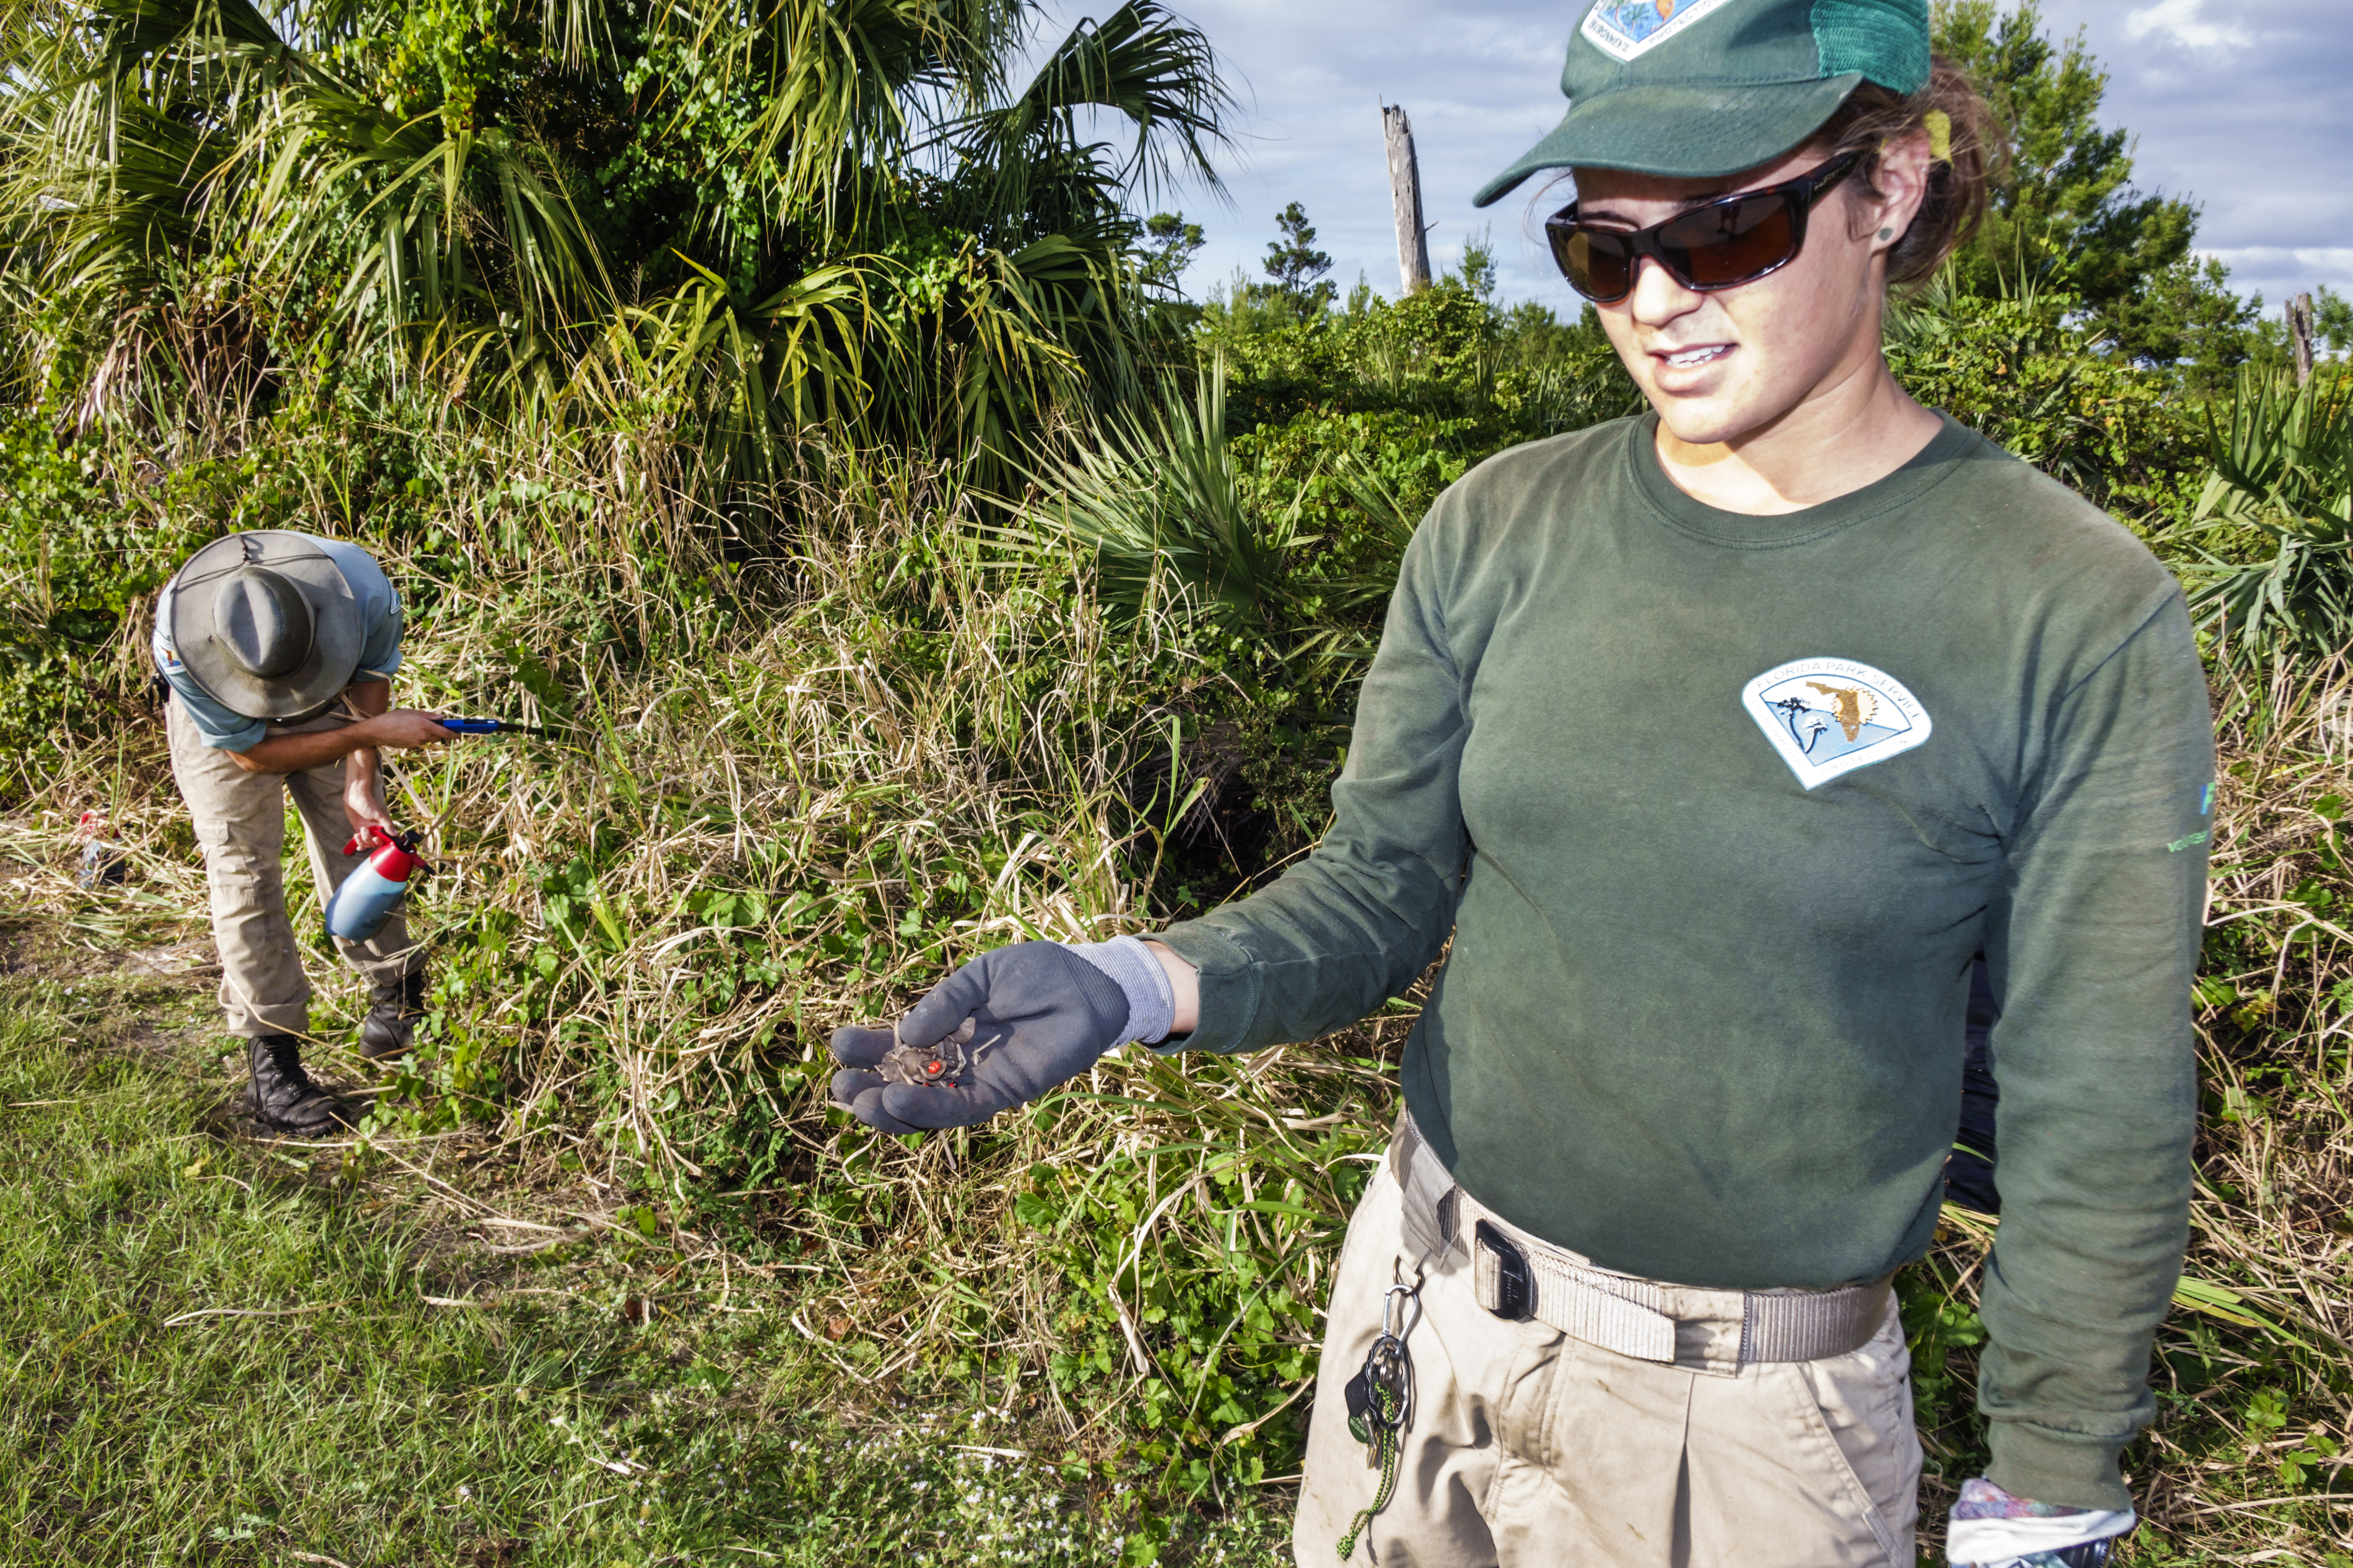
[1714, 1331]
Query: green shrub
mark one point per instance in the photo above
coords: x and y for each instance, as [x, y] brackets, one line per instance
[75, 563]
[2025, 372]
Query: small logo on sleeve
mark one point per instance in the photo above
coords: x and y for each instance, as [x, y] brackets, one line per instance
[1830, 716]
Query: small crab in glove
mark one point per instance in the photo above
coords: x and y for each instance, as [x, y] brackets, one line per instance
[943, 1062]
[999, 1031]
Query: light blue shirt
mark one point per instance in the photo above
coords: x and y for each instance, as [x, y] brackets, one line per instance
[222, 726]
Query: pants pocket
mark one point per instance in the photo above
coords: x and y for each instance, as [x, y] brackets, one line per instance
[1863, 1401]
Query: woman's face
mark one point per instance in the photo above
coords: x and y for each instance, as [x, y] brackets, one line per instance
[1722, 365]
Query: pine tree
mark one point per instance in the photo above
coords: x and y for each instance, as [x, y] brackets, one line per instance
[2332, 320]
[2067, 214]
[1296, 265]
[1167, 247]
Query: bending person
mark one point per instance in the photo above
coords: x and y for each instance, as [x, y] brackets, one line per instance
[1873, 696]
[279, 649]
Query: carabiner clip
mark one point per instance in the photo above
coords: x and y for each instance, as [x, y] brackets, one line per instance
[1390, 1329]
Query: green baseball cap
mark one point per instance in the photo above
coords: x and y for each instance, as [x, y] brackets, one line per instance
[1711, 87]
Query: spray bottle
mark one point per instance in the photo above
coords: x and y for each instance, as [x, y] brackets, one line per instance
[369, 895]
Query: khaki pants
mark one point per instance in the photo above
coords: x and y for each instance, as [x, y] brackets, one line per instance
[1530, 1448]
[240, 821]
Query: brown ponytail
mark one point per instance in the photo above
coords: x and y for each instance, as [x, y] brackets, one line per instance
[1959, 184]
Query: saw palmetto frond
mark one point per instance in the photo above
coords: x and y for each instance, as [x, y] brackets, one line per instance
[2274, 521]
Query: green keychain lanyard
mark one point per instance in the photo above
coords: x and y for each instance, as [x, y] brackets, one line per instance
[1380, 1403]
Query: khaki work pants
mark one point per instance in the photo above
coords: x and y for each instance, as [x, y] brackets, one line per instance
[240, 821]
[1530, 1448]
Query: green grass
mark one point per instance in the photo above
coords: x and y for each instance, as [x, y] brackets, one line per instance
[365, 1424]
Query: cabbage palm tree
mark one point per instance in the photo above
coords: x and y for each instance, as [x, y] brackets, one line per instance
[837, 212]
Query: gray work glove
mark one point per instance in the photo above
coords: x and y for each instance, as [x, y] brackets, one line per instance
[999, 1031]
[1991, 1527]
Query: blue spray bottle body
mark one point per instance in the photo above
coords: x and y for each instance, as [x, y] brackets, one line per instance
[367, 896]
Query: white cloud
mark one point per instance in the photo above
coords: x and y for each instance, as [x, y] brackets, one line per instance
[2178, 19]
[2278, 273]
[2283, 259]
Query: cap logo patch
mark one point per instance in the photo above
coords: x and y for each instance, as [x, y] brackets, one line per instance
[1830, 716]
[1625, 28]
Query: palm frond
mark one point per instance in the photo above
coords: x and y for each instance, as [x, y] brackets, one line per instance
[1157, 501]
[1025, 159]
[167, 165]
[2273, 530]
[750, 378]
[839, 86]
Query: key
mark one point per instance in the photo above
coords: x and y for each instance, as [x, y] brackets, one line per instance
[1359, 1395]
[1378, 1398]
[1375, 1396]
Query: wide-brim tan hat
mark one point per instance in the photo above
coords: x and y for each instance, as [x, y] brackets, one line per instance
[265, 624]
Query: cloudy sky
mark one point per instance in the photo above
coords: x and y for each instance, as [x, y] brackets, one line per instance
[2246, 109]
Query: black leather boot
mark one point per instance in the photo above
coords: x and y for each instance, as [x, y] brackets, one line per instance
[390, 1027]
[282, 1097]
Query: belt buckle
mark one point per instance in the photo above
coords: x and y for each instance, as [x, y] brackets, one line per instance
[1515, 1292]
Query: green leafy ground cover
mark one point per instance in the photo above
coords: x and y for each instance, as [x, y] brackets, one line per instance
[238, 1351]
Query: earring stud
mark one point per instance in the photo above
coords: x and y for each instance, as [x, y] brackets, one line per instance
[1887, 234]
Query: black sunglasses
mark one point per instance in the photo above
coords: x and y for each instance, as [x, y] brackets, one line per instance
[1726, 242]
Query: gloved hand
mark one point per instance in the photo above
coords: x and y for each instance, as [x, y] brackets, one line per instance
[1039, 1013]
[1994, 1528]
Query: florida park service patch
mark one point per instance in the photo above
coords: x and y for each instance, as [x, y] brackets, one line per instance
[1830, 716]
[1624, 28]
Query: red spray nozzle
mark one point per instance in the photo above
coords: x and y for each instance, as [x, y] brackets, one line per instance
[394, 854]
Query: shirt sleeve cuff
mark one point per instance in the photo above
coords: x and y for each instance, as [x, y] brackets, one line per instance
[1229, 988]
[238, 740]
[2067, 1469]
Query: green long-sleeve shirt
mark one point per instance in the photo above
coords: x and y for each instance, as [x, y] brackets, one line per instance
[1717, 809]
